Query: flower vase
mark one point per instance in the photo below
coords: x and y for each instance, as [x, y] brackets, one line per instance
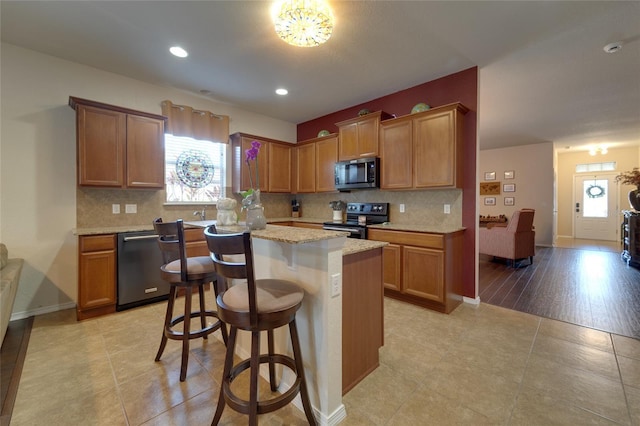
[255, 217]
[634, 199]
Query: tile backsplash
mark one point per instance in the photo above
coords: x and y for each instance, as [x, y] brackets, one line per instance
[426, 207]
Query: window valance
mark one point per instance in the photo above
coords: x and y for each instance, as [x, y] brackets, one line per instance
[183, 120]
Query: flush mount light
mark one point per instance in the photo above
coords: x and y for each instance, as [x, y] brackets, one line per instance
[302, 23]
[598, 149]
[282, 91]
[178, 51]
[613, 47]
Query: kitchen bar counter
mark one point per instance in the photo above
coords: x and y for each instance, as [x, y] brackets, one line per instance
[431, 229]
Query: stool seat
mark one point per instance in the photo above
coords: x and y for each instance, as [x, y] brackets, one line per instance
[271, 296]
[186, 273]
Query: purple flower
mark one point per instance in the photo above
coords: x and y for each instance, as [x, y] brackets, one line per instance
[252, 153]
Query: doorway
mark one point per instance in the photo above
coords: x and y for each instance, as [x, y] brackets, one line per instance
[596, 214]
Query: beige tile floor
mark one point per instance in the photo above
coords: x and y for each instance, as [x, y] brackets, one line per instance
[480, 365]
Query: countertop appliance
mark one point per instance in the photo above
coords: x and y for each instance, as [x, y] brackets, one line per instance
[139, 262]
[361, 173]
[359, 215]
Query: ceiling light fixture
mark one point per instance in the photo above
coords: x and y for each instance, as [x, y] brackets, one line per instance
[613, 47]
[178, 51]
[599, 149]
[282, 91]
[303, 23]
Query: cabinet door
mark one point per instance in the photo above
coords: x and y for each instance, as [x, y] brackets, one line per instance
[368, 135]
[423, 273]
[396, 148]
[392, 267]
[263, 158]
[348, 145]
[145, 152]
[97, 276]
[435, 150]
[326, 158]
[101, 136]
[306, 168]
[279, 168]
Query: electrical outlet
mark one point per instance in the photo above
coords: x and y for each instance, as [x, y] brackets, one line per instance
[447, 208]
[336, 285]
[115, 208]
[131, 208]
[401, 208]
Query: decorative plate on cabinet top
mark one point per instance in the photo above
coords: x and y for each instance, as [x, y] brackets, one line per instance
[194, 168]
[323, 133]
[419, 107]
[363, 111]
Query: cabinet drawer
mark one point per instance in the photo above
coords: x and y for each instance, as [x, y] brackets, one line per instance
[97, 243]
[417, 239]
[194, 234]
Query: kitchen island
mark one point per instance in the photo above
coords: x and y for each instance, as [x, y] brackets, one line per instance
[340, 321]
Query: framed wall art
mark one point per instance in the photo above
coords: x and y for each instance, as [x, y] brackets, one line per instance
[489, 175]
[509, 174]
[509, 201]
[509, 187]
[490, 201]
[489, 188]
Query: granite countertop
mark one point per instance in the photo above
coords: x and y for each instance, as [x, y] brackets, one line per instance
[431, 229]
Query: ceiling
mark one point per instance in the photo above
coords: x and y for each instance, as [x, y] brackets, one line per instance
[544, 75]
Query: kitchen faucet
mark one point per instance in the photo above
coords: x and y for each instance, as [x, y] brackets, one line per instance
[202, 214]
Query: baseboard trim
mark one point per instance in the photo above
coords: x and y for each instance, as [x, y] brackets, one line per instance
[470, 300]
[42, 310]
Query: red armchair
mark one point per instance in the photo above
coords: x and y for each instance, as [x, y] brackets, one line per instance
[513, 241]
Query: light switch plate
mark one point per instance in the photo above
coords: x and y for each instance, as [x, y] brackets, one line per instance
[336, 285]
[447, 208]
[131, 208]
[401, 208]
[115, 208]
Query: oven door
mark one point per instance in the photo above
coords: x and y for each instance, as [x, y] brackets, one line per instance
[354, 231]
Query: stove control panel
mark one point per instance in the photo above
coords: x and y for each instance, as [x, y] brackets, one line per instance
[368, 208]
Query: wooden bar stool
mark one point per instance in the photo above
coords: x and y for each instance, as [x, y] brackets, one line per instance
[186, 273]
[255, 306]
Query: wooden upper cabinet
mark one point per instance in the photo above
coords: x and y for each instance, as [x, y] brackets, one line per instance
[279, 167]
[423, 150]
[359, 136]
[145, 152]
[305, 168]
[396, 151]
[437, 141]
[101, 137]
[274, 164]
[326, 158]
[118, 147]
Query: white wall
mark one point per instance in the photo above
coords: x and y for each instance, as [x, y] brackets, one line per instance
[38, 162]
[533, 179]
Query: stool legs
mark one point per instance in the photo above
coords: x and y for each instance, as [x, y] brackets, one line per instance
[167, 321]
[297, 354]
[186, 324]
[230, 372]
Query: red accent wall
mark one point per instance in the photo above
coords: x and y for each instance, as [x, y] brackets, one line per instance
[459, 87]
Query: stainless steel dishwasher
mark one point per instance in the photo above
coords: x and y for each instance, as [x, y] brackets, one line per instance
[139, 261]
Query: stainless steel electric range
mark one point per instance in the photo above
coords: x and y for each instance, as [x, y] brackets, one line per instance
[359, 215]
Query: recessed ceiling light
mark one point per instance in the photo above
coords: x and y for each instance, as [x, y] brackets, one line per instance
[178, 51]
[282, 91]
[613, 47]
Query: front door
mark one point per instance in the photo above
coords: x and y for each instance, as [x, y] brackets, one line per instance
[595, 207]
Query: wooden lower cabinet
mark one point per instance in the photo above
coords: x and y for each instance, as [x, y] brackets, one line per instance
[97, 275]
[307, 225]
[362, 315]
[196, 243]
[422, 268]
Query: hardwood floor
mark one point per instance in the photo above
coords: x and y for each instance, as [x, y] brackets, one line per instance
[12, 354]
[582, 282]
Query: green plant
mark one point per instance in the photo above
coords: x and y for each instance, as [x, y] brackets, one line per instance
[629, 178]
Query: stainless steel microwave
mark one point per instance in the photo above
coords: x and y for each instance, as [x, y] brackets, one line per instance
[361, 173]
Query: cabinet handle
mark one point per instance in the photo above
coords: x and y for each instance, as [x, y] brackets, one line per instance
[141, 237]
